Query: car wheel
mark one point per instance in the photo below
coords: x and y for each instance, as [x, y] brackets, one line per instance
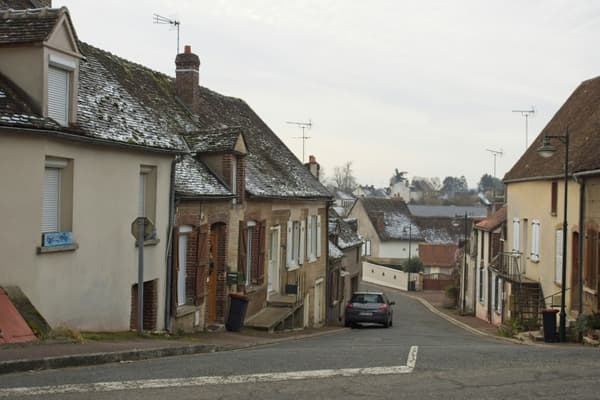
[386, 324]
[391, 322]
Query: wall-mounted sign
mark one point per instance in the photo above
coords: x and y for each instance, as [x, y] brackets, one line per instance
[57, 239]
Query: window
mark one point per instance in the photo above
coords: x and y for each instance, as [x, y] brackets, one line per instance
[559, 257]
[251, 251]
[524, 235]
[57, 195]
[366, 247]
[58, 95]
[535, 240]
[591, 263]
[516, 241]
[313, 239]
[295, 243]
[554, 197]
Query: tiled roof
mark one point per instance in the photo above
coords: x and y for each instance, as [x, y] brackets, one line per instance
[193, 179]
[443, 230]
[346, 236]
[398, 223]
[446, 211]
[16, 110]
[214, 140]
[28, 26]
[493, 221]
[18, 4]
[581, 114]
[438, 255]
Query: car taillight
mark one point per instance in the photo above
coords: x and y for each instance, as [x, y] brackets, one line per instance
[349, 305]
[382, 307]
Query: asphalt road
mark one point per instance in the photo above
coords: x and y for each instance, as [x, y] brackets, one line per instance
[358, 363]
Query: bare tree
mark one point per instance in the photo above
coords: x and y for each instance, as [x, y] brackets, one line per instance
[343, 177]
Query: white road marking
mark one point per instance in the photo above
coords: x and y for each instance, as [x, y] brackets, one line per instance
[212, 380]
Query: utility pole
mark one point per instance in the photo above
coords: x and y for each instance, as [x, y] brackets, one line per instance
[526, 114]
[303, 126]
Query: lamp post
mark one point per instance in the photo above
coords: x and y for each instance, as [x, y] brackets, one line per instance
[547, 150]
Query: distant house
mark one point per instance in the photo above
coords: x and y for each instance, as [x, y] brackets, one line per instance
[370, 191]
[387, 227]
[345, 248]
[438, 258]
[419, 188]
[81, 157]
[399, 186]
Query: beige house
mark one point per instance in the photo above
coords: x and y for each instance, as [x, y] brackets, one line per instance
[535, 209]
[80, 159]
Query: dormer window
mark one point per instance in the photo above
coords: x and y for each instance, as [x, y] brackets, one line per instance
[59, 88]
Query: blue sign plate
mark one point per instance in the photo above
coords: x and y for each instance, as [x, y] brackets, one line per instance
[57, 239]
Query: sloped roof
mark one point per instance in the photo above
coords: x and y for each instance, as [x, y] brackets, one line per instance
[438, 255]
[581, 114]
[346, 236]
[18, 4]
[446, 211]
[493, 221]
[440, 230]
[24, 26]
[398, 223]
[214, 140]
[334, 252]
[193, 179]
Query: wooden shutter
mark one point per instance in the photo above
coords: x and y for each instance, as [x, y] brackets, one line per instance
[559, 256]
[318, 236]
[262, 236]
[302, 249]
[288, 244]
[58, 95]
[51, 202]
[203, 259]
[242, 250]
[174, 269]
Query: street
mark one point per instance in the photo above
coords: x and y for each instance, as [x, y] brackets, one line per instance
[368, 362]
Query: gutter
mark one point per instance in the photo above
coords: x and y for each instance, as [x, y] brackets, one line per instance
[587, 173]
[87, 139]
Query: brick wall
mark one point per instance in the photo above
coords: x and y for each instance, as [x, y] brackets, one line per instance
[150, 305]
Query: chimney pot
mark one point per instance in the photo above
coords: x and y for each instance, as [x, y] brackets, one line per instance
[187, 49]
[312, 159]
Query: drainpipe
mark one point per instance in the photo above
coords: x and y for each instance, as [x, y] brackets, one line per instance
[169, 249]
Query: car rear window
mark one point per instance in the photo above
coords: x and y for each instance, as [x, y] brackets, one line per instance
[367, 298]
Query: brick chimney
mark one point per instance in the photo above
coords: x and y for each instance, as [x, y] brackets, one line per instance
[187, 78]
[313, 166]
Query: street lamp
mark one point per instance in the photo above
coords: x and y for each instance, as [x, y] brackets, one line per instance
[547, 150]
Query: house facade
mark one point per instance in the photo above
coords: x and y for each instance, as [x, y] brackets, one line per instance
[81, 160]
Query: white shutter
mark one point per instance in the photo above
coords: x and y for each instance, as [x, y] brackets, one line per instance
[288, 244]
[309, 239]
[559, 256]
[51, 201]
[516, 238]
[363, 248]
[302, 242]
[368, 247]
[535, 240]
[58, 95]
[318, 236]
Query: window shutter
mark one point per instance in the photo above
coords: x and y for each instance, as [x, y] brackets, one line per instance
[242, 249]
[516, 238]
[535, 240]
[203, 257]
[174, 269]
[288, 244]
[363, 248]
[493, 288]
[318, 251]
[262, 235]
[302, 242]
[369, 247]
[559, 256]
[58, 95]
[50, 210]
[309, 239]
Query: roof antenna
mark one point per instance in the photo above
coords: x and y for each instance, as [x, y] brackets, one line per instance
[303, 126]
[526, 114]
[158, 19]
[495, 153]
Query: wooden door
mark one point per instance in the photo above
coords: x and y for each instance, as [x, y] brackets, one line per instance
[211, 311]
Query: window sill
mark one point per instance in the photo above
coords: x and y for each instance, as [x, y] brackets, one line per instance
[184, 309]
[149, 242]
[57, 249]
[293, 268]
[589, 290]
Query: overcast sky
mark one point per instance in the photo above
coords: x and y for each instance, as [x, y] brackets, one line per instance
[422, 86]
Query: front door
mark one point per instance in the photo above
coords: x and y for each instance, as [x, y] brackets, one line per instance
[274, 257]
[211, 308]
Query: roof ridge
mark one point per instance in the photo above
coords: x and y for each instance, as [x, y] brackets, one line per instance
[33, 12]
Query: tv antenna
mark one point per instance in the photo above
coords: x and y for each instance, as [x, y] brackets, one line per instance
[495, 153]
[159, 19]
[526, 114]
[303, 126]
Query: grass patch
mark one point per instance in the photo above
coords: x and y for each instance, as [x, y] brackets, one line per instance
[64, 332]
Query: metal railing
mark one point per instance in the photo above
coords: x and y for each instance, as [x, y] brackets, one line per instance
[555, 299]
[507, 264]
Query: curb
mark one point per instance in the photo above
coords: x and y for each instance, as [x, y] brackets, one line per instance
[80, 360]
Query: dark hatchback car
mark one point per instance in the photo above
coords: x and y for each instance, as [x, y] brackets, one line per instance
[369, 307]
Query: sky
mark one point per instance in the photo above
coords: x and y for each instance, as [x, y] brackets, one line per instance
[423, 86]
